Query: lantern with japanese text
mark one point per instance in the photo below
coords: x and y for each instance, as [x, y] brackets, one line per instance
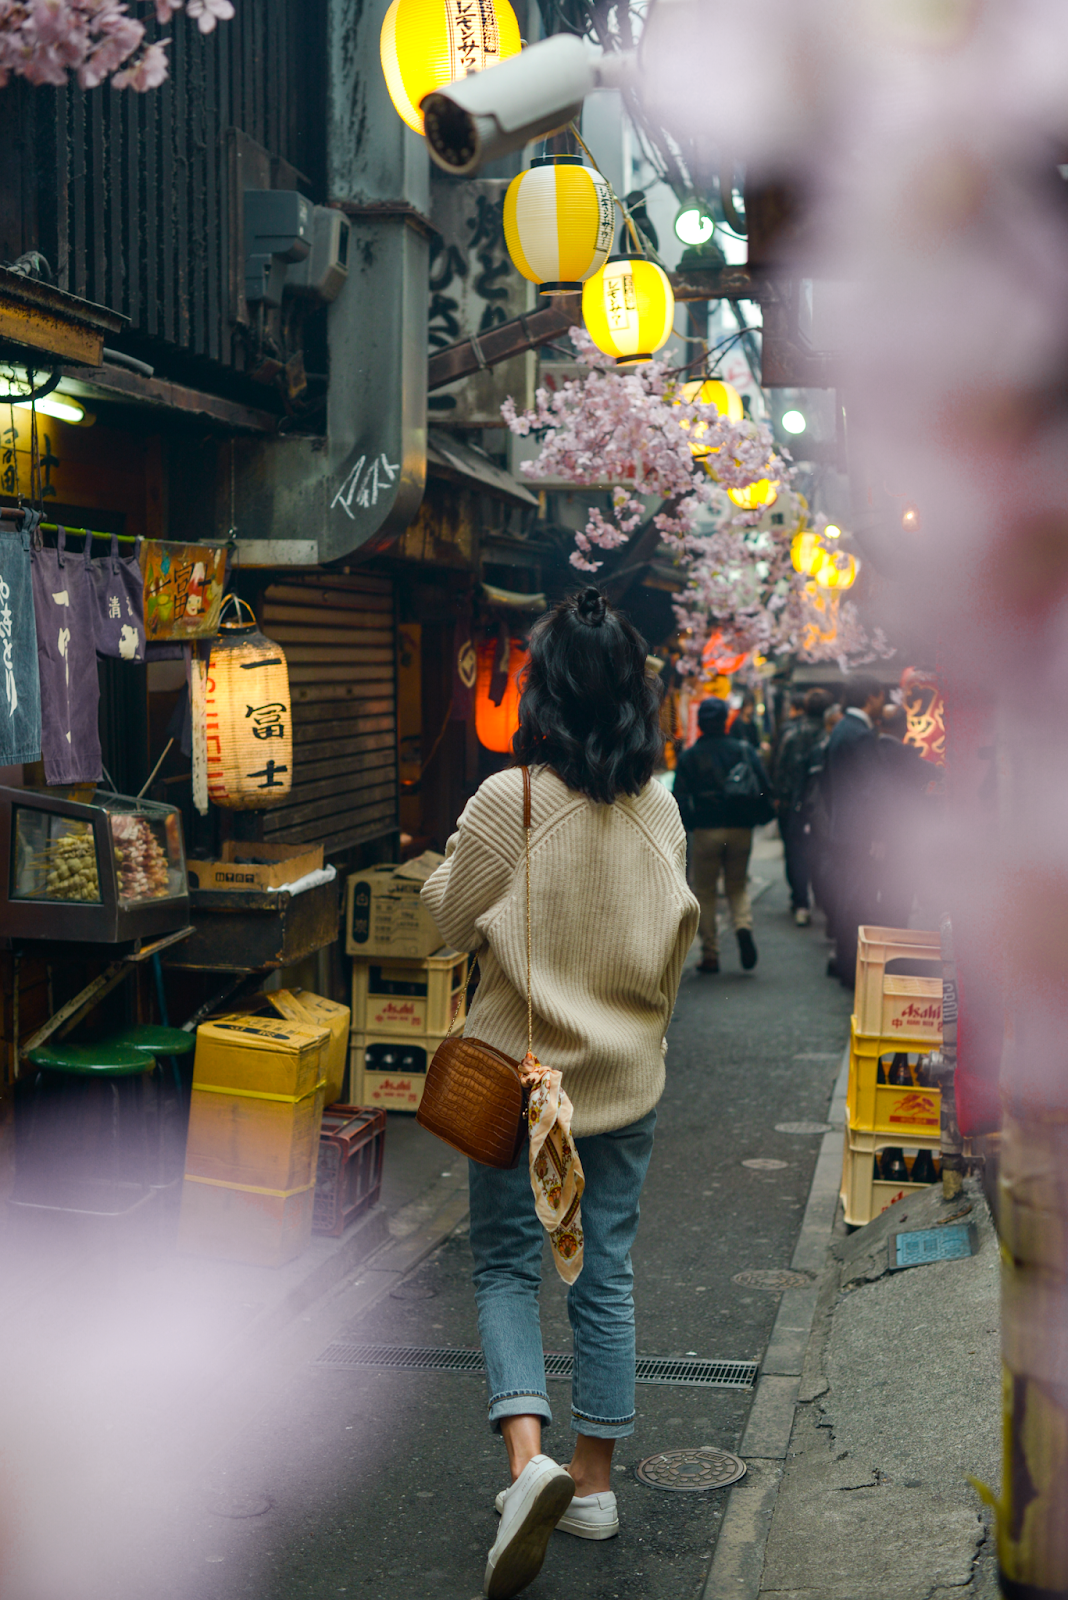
[629, 309]
[558, 223]
[426, 44]
[497, 721]
[248, 726]
[710, 392]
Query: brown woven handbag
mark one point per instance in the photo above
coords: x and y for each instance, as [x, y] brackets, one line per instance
[474, 1098]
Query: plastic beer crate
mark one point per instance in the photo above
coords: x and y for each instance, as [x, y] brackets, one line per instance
[388, 1071]
[885, 1006]
[865, 1196]
[900, 1111]
[390, 995]
[349, 1178]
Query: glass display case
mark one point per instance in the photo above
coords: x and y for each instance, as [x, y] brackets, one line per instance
[111, 870]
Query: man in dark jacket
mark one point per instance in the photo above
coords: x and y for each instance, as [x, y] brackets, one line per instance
[790, 777]
[723, 793]
[851, 778]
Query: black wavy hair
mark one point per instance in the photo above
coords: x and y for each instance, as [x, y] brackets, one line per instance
[589, 708]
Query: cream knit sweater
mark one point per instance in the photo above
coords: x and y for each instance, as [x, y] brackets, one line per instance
[612, 922]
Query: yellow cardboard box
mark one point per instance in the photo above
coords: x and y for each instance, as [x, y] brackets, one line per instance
[253, 1144]
[300, 1005]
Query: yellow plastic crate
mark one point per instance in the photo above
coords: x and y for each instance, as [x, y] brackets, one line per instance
[390, 1072]
[876, 947]
[899, 1111]
[408, 997]
[865, 1196]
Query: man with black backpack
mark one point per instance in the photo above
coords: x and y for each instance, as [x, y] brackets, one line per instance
[723, 794]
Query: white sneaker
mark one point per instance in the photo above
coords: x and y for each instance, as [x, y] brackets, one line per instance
[589, 1516]
[802, 916]
[530, 1510]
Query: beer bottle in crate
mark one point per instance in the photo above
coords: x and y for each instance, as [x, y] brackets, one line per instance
[893, 1166]
[923, 1168]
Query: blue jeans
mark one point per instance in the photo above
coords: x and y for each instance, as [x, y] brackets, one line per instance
[507, 1241]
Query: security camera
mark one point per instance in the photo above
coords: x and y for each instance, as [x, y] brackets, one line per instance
[489, 114]
[322, 273]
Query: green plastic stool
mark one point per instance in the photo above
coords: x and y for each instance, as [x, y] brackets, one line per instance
[44, 1163]
[157, 1043]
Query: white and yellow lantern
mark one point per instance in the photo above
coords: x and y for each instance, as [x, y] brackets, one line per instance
[807, 552]
[837, 570]
[755, 496]
[558, 223]
[709, 392]
[247, 718]
[628, 309]
[426, 44]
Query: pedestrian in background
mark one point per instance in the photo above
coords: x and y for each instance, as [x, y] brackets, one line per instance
[723, 794]
[613, 920]
[903, 805]
[789, 781]
[851, 776]
[742, 724]
[816, 821]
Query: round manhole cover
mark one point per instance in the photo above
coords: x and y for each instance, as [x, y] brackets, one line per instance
[774, 1278]
[691, 1470]
[765, 1164]
[240, 1503]
[802, 1127]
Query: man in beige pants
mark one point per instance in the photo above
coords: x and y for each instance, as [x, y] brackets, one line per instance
[723, 793]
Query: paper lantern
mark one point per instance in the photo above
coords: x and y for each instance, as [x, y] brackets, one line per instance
[558, 223]
[764, 492]
[807, 552]
[248, 728]
[628, 309]
[426, 44]
[725, 398]
[497, 725]
[836, 571]
[717, 659]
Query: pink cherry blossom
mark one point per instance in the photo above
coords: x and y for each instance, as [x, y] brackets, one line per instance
[46, 41]
[631, 432]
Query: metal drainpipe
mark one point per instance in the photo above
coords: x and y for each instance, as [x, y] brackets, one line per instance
[363, 484]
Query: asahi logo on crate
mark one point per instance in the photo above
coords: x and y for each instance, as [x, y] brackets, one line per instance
[390, 1011]
[918, 1016]
[395, 1091]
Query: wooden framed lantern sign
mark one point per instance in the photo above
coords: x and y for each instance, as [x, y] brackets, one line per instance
[248, 726]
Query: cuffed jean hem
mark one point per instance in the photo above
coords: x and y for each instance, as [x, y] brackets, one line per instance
[519, 1403]
[602, 1427]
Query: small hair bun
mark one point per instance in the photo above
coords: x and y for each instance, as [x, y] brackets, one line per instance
[591, 606]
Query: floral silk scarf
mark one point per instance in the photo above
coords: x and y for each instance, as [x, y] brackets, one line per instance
[556, 1175]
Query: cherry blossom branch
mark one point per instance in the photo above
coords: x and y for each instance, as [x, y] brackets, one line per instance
[47, 41]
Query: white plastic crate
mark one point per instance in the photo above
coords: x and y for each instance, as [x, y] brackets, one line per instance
[408, 998]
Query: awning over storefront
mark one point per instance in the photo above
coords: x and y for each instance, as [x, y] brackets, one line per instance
[448, 458]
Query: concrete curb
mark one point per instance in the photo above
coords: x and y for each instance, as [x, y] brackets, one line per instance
[738, 1563]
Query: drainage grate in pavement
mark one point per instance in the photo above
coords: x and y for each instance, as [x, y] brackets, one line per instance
[773, 1278]
[690, 1471]
[649, 1369]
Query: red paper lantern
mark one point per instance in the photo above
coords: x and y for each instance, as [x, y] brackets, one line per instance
[496, 726]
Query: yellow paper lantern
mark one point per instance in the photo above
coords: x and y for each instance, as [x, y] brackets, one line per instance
[248, 727]
[558, 223]
[725, 398]
[426, 44]
[628, 309]
[764, 492]
[837, 571]
[807, 552]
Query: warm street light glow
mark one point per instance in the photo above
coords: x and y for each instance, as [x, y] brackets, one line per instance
[426, 44]
[558, 223]
[832, 531]
[693, 223]
[794, 421]
[628, 309]
[910, 519]
[54, 405]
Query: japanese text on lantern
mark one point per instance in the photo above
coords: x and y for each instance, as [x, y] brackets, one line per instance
[268, 722]
[473, 40]
[620, 301]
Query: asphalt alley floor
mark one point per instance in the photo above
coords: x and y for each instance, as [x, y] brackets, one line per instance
[367, 1482]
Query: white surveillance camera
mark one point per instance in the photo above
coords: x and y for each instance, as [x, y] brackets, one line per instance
[489, 114]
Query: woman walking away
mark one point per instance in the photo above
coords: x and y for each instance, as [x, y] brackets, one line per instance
[612, 920]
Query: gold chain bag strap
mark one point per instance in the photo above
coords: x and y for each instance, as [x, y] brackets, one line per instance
[474, 1098]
